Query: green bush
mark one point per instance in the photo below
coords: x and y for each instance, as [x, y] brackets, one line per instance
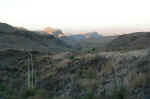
[29, 92]
[89, 95]
[5, 92]
[72, 57]
[91, 50]
[120, 93]
[2, 87]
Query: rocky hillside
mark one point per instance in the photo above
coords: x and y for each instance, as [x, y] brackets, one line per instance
[111, 75]
[14, 38]
[87, 41]
[133, 41]
[55, 32]
[29, 68]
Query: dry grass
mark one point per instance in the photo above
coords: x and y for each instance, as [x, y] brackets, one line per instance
[135, 80]
[88, 84]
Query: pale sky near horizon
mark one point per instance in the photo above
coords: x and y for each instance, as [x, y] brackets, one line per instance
[74, 16]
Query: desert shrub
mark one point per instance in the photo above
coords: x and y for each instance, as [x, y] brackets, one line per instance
[88, 84]
[88, 73]
[88, 51]
[91, 50]
[51, 74]
[141, 80]
[64, 97]
[72, 57]
[89, 95]
[22, 67]
[2, 87]
[6, 92]
[138, 80]
[29, 92]
[140, 46]
[3, 90]
[110, 66]
[39, 94]
[120, 92]
[107, 67]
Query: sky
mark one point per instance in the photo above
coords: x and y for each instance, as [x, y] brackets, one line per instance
[76, 16]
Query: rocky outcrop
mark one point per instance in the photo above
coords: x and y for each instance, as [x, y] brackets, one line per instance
[55, 32]
[49, 30]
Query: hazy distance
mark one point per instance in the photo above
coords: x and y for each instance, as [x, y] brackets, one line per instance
[76, 16]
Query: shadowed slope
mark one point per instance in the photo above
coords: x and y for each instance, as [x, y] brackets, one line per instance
[139, 40]
[13, 38]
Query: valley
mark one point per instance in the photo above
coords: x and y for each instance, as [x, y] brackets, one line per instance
[40, 65]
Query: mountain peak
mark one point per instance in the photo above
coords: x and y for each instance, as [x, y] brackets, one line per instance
[49, 30]
[89, 35]
[55, 32]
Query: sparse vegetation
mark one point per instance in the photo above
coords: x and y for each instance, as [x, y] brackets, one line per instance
[2, 87]
[119, 73]
[72, 57]
[129, 42]
[29, 92]
[120, 93]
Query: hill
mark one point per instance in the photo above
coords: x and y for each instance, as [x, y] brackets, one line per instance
[104, 75]
[14, 38]
[6, 28]
[85, 44]
[85, 40]
[34, 65]
[132, 41]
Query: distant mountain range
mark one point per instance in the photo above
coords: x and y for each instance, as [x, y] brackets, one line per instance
[77, 40]
[58, 33]
[81, 41]
[90, 35]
